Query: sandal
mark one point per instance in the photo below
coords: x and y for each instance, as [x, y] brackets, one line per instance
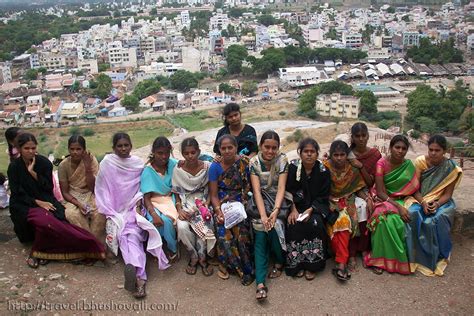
[140, 291]
[207, 270]
[309, 275]
[247, 279]
[376, 270]
[261, 293]
[341, 274]
[276, 272]
[130, 283]
[32, 262]
[43, 262]
[299, 274]
[222, 273]
[191, 268]
[352, 265]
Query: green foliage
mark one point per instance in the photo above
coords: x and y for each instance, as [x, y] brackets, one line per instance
[391, 10]
[104, 85]
[303, 55]
[295, 137]
[75, 130]
[282, 113]
[88, 132]
[444, 52]
[31, 74]
[249, 87]
[406, 18]
[273, 58]
[224, 87]
[183, 80]
[130, 102]
[142, 90]
[425, 125]
[235, 54]
[385, 124]
[42, 138]
[415, 134]
[307, 101]
[267, 20]
[368, 102]
[367, 32]
[331, 34]
[103, 67]
[441, 108]
[236, 12]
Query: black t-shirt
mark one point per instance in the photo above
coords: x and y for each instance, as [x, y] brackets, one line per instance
[246, 140]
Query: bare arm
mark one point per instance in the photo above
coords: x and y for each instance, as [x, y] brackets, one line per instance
[151, 209]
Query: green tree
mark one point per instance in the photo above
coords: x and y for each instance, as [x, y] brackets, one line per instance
[267, 20]
[153, 11]
[224, 87]
[368, 103]
[104, 85]
[272, 59]
[249, 87]
[130, 102]
[31, 74]
[103, 67]
[391, 10]
[183, 80]
[146, 87]
[235, 54]
[425, 125]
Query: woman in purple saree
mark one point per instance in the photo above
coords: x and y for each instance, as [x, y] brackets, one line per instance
[118, 197]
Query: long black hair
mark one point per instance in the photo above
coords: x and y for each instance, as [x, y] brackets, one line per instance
[339, 145]
[10, 134]
[118, 136]
[229, 108]
[440, 140]
[357, 128]
[305, 142]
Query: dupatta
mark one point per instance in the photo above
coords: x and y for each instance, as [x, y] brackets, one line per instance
[117, 191]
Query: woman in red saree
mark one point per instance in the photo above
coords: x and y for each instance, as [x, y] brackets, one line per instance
[34, 210]
[363, 158]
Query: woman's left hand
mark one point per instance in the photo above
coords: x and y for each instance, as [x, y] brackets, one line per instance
[87, 159]
[272, 219]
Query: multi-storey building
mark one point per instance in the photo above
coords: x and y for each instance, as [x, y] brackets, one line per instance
[53, 60]
[352, 40]
[301, 76]
[90, 65]
[337, 105]
[410, 39]
[219, 21]
[121, 57]
[5, 74]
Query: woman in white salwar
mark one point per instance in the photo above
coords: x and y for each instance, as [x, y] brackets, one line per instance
[195, 224]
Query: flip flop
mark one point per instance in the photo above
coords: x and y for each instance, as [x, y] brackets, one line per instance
[376, 270]
[263, 293]
[32, 262]
[276, 272]
[222, 273]
[300, 274]
[206, 269]
[130, 278]
[191, 268]
[340, 274]
[309, 275]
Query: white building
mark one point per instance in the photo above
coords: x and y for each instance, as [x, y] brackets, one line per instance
[410, 39]
[185, 20]
[90, 65]
[352, 40]
[52, 60]
[5, 74]
[120, 57]
[337, 105]
[35, 100]
[219, 21]
[302, 76]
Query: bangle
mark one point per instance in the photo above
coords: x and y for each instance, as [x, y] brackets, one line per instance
[388, 197]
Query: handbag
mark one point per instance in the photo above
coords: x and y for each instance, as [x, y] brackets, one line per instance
[269, 202]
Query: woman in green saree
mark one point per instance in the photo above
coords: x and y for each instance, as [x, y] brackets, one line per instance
[395, 180]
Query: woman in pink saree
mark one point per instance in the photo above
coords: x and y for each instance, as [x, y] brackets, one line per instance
[118, 197]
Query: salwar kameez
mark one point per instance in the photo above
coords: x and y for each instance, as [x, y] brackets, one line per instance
[306, 242]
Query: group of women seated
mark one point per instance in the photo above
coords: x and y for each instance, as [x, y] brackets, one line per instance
[247, 207]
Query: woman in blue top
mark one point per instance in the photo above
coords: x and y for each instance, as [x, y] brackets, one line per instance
[156, 187]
